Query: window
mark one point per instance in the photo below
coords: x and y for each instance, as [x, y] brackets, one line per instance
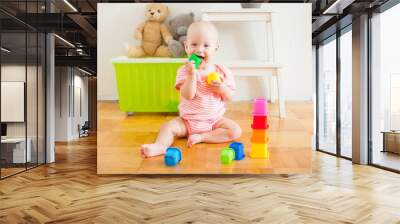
[327, 96]
[346, 93]
[385, 89]
[395, 102]
[22, 65]
[334, 106]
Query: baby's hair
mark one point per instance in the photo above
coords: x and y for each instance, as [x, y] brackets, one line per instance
[209, 25]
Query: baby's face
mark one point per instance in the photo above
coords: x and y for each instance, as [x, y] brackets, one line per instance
[202, 42]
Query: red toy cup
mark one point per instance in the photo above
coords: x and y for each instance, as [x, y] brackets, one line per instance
[259, 120]
[259, 126]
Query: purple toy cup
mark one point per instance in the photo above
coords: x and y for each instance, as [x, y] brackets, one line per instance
[260, 107]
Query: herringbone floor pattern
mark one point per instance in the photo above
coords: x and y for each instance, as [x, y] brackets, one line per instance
[70, 191]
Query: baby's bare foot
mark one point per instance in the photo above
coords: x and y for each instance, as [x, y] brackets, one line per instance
[194, 139]
[150, 150]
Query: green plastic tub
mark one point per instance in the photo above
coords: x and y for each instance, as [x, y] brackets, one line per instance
[147, 84]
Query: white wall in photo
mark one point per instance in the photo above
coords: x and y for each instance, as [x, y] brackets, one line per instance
[117, 22]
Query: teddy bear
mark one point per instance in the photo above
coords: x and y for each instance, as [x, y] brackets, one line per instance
[178, 27]
[152, 34]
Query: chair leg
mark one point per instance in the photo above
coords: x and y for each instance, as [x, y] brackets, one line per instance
[273, 87]
[269, 89]
[281, 97]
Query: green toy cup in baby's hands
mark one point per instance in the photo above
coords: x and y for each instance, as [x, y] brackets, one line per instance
[196, 60]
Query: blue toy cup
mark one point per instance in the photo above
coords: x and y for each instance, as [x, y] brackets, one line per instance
[172, 156]
[239, 150]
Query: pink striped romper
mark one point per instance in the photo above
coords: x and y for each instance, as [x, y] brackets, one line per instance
[206, 108]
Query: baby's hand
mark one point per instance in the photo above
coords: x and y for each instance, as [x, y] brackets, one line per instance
[189, 65]
[217, 87]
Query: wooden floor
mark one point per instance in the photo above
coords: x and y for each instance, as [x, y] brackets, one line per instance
[10, 171]
[120, 137]
[70, 191]
[387, 159]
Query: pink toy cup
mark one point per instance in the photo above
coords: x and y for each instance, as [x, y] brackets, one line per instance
[260, 107]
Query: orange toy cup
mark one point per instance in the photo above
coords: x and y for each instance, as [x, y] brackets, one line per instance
[259, 136]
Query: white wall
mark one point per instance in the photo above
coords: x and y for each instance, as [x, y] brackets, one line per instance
[33, 127]
[13, 106]
[82, 82]
[61, 103]
[81, 103]
[68, 85]
[14, 73]
[18, 73]
[117, 21]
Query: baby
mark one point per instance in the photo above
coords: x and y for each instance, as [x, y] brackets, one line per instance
[201, 107]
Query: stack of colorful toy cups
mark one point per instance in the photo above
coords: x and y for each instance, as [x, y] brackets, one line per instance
[259, 138]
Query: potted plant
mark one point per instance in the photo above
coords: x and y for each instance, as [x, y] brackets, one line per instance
[251, 4]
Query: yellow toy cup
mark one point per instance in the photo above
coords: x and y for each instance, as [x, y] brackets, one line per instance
[213, 76]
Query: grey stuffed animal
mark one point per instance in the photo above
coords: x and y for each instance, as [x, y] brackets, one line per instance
[178, 27]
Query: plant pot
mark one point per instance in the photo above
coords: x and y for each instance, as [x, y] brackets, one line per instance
[250, 5]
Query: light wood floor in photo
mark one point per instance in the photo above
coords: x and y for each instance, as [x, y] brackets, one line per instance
[70, 191]
[120, 137]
